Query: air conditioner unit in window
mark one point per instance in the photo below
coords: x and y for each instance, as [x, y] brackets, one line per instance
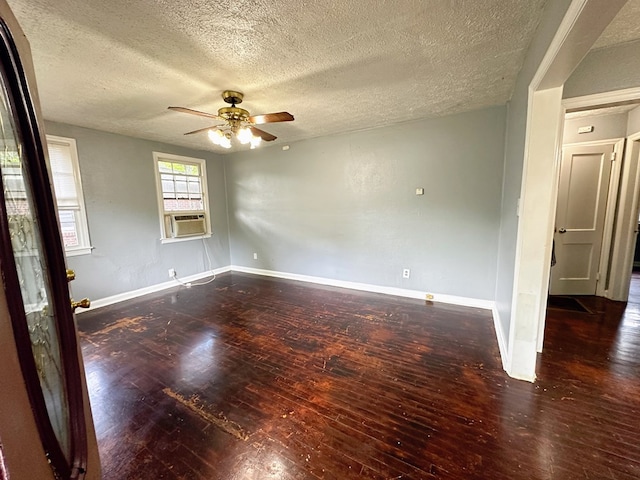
[187, 225]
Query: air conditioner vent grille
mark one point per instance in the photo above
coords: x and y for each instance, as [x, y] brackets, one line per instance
[188, 225]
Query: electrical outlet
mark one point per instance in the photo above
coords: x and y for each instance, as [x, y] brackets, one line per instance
[255, 256]
[172, 272]
[406, 273]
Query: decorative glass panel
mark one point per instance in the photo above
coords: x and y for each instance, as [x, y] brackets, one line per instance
[3, 470]
[35, 289]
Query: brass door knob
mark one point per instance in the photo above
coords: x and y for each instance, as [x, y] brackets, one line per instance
[84, 303]
[71, 275]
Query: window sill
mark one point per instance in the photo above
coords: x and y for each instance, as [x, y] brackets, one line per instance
[78, 251]
[184, 239]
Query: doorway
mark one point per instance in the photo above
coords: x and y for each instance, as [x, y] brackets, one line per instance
[588, 128]
[586, 195]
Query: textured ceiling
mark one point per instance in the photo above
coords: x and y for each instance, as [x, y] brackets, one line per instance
[624, 28]
[337, 65]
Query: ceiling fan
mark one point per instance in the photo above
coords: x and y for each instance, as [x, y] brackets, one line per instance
[237, 122]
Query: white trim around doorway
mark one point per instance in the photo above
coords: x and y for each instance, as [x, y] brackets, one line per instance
[579, 29]
[627, 222]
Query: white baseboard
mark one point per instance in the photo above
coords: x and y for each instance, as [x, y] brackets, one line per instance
[367, 287]
[121, 297]
[502, 341]
[400, 292]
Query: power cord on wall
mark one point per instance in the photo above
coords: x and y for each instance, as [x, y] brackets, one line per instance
[198, 284]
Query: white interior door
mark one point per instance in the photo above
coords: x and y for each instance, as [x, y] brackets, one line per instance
[580, 217]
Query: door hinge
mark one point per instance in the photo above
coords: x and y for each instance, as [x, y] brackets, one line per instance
[613, 156]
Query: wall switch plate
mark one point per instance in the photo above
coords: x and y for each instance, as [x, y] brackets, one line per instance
[255, 256]
[419, 191]
[406, 273]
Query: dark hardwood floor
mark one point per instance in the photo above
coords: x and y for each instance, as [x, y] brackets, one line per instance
[258, 378]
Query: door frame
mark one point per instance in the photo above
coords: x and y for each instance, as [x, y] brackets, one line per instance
[29, 135]
[616, 268]
[628, 211]
[29, 444]
[581, 26]
[610, 209]
[622, 249]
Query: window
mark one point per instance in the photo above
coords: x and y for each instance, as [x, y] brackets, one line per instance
[63, 158]
[182, 197]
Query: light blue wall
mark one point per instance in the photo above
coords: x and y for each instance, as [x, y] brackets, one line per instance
[341, 207]
[514, 157]
[606, 70]
[345, 208]
[120, 194]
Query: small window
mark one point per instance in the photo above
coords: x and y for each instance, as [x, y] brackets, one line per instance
[182, 197]
[63, 158]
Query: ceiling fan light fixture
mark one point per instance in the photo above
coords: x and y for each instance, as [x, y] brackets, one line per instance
[255, 142]
[238, 122]
[215, 136]
[244, 136]
[219, 138]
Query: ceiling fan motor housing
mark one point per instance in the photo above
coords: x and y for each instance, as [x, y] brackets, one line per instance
[232, 97]
[233, 113]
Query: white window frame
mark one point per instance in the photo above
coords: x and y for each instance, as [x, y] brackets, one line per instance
[162, 213]
[80, 212]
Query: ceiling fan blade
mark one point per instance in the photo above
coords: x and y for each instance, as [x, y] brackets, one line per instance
[271, 118]
[194, 112]
[203, 129]
[267, 137]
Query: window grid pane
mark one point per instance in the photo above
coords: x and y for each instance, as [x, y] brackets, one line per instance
[182, 188]
[69, 228]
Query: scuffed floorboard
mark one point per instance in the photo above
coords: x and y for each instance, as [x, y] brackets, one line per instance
[252, 378]
[218, 420]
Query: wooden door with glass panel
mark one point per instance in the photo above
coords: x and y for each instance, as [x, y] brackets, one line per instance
[34, 278]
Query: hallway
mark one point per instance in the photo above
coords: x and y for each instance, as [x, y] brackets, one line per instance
[591, 364]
